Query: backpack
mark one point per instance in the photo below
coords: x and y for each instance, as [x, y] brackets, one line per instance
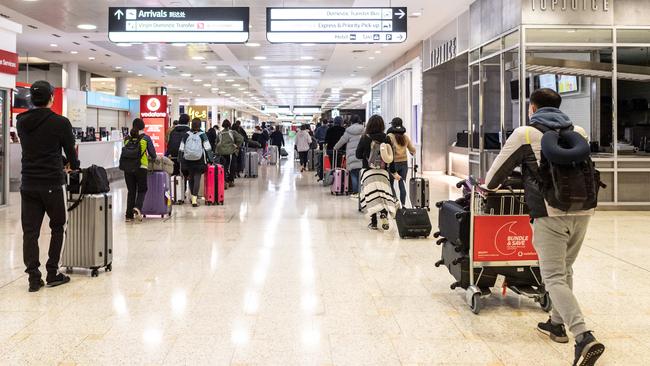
[94, 180]
[381, 154]
[130, 159]
[569, 178]
[226, 144]
[193, 147]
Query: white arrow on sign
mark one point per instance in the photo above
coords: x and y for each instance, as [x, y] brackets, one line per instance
[119, 14]
[401, 13]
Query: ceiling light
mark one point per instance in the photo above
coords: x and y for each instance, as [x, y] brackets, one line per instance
[247, 92]
[197, 80]
[306, 58]
[170, 67]
[207, 85]
[308, 44]
[416, 14]
[361, 67]
[139, 74]
[227, 95]
[74, 52]
[378, 52]
[265, 67]
[242, 88]
[130, 72]
[305, 67]
[198, 58]
[260, 57]
[124, 45]
[371, 58]
[118, 67]
[252, 44]
[211, 67]
[87, 26]
[150, 58]
[221, 74]
[186, 75]
[54, 45]
[91, 58]
[235, 85]
[229, 80]
[179, 44]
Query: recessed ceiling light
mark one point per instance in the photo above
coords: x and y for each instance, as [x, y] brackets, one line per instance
[124, 45]
[260, 57]
[361, 67]
[211, 67]
[197, 80]
[305, 67]
[378, 52]
[74, 52]
[54, 45]
[221, 74]
[130, 72]
[371, 58]
[150, 58]
[91, 58]
[207, 85]
[308, 44]
[170, 67]
[198, 58]
[229, 80]
[306, 58]
[252, 44]
[227, 95]
[118, 67]
[242, 88]
[235, 85]
[87, 26]
[265, 67]
[139, 74]
[416, 14]
[186, 75]
[179, 44]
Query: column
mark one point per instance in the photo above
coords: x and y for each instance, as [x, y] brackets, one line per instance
[175, 113]
[215, 115]
[121, 86]
[71, 76]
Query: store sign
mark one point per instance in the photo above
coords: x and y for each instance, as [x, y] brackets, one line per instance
[568, 12]
[443, 53]
[569, 5]
[153, 111]
[180, 25]
[8, 62]
[103, 100]
[336, 25]
[503, 238]
[198, 111]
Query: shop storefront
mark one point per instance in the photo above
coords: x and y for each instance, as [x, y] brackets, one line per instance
[596, 54]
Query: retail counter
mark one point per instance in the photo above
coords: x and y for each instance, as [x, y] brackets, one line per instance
[101, 153]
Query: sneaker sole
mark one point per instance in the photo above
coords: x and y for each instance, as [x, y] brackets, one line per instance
[58, 283]
[553, 337]
[591, 354]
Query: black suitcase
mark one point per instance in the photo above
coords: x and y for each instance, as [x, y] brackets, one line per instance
[413, 223]
[457, 261]
[454, 223]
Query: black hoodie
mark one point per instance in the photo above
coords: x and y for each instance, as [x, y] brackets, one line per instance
[43, 135]
[364, 147]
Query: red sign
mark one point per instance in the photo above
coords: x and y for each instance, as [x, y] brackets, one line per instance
[153, 111]
[503, 238]
[8, 62]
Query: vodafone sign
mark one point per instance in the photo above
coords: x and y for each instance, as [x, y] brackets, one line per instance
[153, 111]
[503, 238]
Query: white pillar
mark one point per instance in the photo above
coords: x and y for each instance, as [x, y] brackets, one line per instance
[121, 87]
[71, 76]
[175, 107]
[215, 114]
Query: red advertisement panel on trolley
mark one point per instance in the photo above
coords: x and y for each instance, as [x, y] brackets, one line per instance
[503, 238]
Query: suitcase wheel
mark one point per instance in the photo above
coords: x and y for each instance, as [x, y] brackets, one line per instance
[436, 234]
[440, 241]
[439, 204]
[94, 273]
[439, 263]
[109, 267]
[454, 285]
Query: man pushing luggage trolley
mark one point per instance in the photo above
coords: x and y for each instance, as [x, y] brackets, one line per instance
[561, 190]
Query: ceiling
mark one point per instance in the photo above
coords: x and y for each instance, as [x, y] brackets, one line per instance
[272, 74]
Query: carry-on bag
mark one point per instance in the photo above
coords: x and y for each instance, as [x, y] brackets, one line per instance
[157, 201]
[454, 223]
[312, 162]
[418, 190]
[178, 190]
[273, 154]
[340, 179]
[89, 233]
[251, 163]
[214, 185]
[413, 223]
[283, 152]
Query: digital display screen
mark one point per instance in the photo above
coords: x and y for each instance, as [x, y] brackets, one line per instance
[568, 84]
[548, 81]
[22, 98]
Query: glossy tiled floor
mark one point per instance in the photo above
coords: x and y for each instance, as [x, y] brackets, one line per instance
[285, 274]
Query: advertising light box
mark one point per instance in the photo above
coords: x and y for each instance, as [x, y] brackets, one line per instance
[153, 111]
[178, 25]
[336, 25]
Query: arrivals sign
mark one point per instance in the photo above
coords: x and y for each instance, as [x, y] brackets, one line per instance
[336, 25]
[178, 25]
[153, 111]
[8, 62]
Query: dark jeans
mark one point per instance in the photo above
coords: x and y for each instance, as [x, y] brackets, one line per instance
[401, 168]
[354, 180]
[195, 182]
[229, 167]
[34, 205]
[303, 155]
[136, 184]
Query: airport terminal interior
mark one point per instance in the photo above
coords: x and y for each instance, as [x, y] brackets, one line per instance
[262, 250]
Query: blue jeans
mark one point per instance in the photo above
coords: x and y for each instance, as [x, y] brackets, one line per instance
[401, 168]
[354, 180]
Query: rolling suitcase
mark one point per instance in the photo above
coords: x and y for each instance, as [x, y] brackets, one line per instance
[157, 201]
[457, 262]
[413, 223]
[419, 190]
[311, 160]
[178, 190]
[89, 234]
[454, 224]
[340, 180]
[214, 185]
[251, 162]
[273, 154]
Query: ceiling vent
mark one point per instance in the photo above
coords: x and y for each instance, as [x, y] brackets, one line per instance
[5, 16]
[32, 26]
[359, 51]
[56, 52]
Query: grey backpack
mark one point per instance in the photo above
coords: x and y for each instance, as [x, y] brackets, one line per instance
[193, 147]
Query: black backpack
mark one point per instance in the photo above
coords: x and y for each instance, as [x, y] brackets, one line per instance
[130, 159]
[568, 177]
[94, 180]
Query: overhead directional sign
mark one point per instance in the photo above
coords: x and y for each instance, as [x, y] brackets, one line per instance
[178, 25]
[336, 25]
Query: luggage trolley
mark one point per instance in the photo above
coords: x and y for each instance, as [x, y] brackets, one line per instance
[501, 253]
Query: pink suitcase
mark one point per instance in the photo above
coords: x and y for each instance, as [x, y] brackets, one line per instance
[214, 185]
[340, 181]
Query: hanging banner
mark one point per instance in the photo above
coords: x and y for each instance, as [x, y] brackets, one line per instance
[153, 111]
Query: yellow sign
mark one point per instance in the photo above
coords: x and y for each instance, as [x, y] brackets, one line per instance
[198, 111]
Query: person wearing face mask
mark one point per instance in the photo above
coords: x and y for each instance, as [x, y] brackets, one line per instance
[558, 234]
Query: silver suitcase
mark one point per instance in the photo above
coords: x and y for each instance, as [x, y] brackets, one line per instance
[273, 154]
[178, 191]
[418, 189]
[251, 162]
[89, 234]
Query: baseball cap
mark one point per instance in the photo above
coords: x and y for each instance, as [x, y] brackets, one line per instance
[41, 91]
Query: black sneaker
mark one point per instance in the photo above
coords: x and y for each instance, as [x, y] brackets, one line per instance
[36, 285]
[556, 332]
[588, 350]
[57, 280]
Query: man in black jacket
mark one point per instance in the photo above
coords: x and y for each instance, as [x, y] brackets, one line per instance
[175, 138]
[43, 134]
[333, 135]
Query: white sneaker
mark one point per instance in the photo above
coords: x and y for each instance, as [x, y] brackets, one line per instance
[137, 215]
[354, 196]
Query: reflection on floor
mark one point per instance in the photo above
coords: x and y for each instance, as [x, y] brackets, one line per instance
[286, 274]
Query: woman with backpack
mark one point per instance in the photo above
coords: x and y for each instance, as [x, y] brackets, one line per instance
[195, 154]
[228, 149]
[376, 154]
[402, 145]
[138, 149]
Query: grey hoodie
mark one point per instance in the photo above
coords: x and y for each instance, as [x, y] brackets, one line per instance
[351, 139]
[551, 117]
